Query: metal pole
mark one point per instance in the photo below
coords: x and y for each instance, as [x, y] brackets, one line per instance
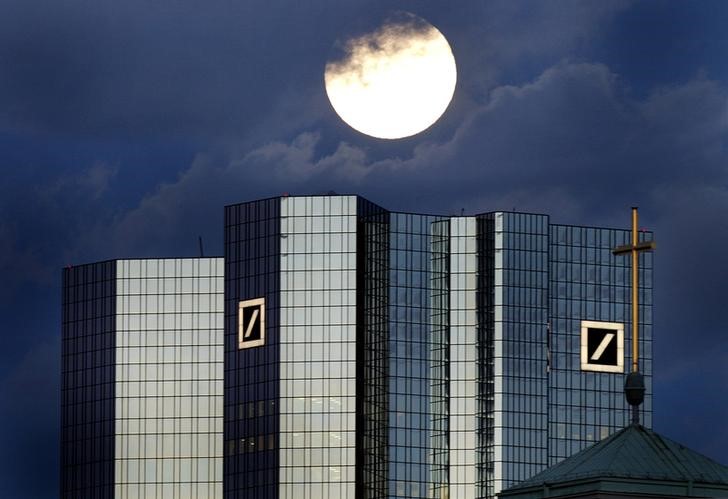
[635, 294]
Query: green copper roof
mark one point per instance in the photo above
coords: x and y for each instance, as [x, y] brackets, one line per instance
[634, 453]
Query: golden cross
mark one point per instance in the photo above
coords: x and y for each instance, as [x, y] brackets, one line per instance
[635, 249]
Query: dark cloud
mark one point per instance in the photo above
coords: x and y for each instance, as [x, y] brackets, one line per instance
[146, 69]
[395, 34]
[149, 69]
[571, 143]
[574, 130]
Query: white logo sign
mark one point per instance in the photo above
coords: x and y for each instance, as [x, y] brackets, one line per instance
[251, 323]
[602, 346]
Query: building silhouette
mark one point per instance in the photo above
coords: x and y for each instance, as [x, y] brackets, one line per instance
[370, 353]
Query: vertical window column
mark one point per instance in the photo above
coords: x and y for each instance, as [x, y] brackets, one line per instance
[318, 347]
[463, 355]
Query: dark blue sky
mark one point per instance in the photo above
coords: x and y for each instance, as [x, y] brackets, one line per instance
[126, 126]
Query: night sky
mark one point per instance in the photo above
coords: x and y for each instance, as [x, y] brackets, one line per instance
[126, 126]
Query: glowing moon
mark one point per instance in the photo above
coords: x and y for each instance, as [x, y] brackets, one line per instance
[395, 81]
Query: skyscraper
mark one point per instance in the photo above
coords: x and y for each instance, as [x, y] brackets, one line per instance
[367, 354]
[411, 355]
[141, 384]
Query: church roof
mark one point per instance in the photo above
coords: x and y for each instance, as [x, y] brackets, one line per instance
[637, 454]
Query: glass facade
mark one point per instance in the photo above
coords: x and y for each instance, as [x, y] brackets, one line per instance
[463, 356]
[520, 323]
[409, 474]
[440, 359]
[372, 405]
[151, 332]
[252, 375]
[587, 282]
[88, 388]
[169, 369]
[416, 355]
[367, 354]
[318, 347]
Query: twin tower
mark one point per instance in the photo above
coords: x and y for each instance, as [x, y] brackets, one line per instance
[340, 350]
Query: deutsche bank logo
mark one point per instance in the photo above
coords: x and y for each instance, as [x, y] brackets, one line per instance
[602, 346]
[251, 323]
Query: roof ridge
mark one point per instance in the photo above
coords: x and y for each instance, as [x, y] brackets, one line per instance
[572, 469]
[621, 445]
[717, 469]
[663, 451]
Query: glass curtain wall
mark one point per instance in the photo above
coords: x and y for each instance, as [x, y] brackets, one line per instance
[463, 356]
[372, 352]
[169, 375]
[440, 360]
[486, 386]
[252, 375]
[318, 333]
[410, 341]
[588, 282]
[142, 379]
[402, 356]
[519, 347]
[88, 392]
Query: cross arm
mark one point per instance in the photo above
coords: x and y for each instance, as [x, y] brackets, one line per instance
[643, 246]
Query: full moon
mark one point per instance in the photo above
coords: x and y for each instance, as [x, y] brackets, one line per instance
[395, 81]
